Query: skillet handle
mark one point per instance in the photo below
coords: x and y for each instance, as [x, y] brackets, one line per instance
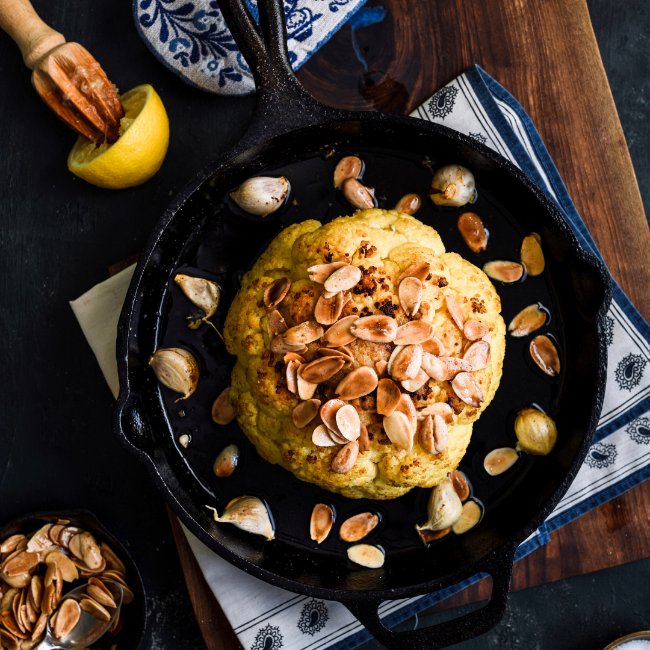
[448, 633]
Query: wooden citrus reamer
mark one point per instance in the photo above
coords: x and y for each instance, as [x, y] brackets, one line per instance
[66, 76]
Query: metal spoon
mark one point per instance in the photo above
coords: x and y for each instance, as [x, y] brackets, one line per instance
[89, 628]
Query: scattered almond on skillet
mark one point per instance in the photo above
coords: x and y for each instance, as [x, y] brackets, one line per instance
[177, 369]
[358, 526]
[452, 185]
[322, 519]
[504, 271]
[226, 462]
[347, 167]
[366, 555]
[249, 514]
[531, 254]
[545, 355]
[528, 320]
[32, 572]
[358, 195]
[409, 204]
[261, 195]
[500, 460]
[473, 232]
[469, 517]
[222, 410]
[536, 432]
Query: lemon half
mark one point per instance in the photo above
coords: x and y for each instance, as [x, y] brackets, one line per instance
[139, 151]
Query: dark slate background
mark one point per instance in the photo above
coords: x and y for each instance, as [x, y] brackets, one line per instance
[58, 236]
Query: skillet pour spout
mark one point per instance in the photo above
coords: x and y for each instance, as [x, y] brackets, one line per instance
[289, 125]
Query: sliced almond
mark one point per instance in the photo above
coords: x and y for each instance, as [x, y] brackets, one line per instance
[321, 369]
[275, 324]
[94, 609]
[455, 312]
[398, 430]
[532, 256]
[9, 641]
[457, 365]
[304, 333]
[391, 361]
[222, 411]
[416, 331]
[54, 533]
[410, 294]
[11, 543]
[321, 437]
[364, 439]
[99, 592]
[322, 519]
[467, 389]
[407, 363]
[380, 367]
[407, 407]
[460, 484]
[292, 375]
[339, 334]
[320, 272]
[500, 460]
[292, 356]
[434, 346]
[346, 458]
[469, 517]
[388, 396]
[545, 355]
[440, 433]
[419, 270]
[437, 369]
[306, 389]
[75, 547]
[377, 328]
[338, 438]
[305, 412]
[425, 435]
[39, 628]
[36, 591]
[358, 194]
[9, 621]
[343, 279]
[347, 167]
[68, 570]
[474, 330]
[40, 540]
[275, 293]
[366, 555]
[409, 204]
[20, 563]
[504, 270]
[472, 230]
[280, 346]
[358, 383]
[67, 617]
[91, 553]
[348, 422]
[439, 408]
[527, 320]
[336, 352]
[478, 355]
[328, 310]
[414, 385]
[328, 413]
[358, 526]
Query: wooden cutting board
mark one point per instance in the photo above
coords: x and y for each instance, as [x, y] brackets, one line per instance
[546, 55]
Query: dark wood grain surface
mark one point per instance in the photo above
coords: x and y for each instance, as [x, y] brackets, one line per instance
[546, 54]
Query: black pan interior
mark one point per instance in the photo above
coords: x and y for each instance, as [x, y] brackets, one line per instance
[211, 237]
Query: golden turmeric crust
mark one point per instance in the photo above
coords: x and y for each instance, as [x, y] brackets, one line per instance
[382, 243]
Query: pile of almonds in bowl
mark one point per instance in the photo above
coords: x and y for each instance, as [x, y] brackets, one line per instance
[33, 570]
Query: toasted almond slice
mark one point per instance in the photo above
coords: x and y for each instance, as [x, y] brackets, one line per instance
[48, 594]
[328, 310]
[320, 272]
[377, 328]
[91, 554]
[222, 413]
[292, 375]
[478, 355]
[339, 334]
[407, 363]
[322, 518]
[292, 356]
[9, 641]
[306, 389]
[328, 413]
[532, 256]
[388, 396]
[474, 329]
[434, 346]
[85, 570]
[67, 534]
[398, 430]
[409, 204]
[39, 628]
[437, 369]
[36, 591]
[54, 533]
[470, 516]
[9, 621]
[364, 439]
[280, 346]
[75, 546]
[226, 462]
[472, 230]
[416, 331]
[40, 540]
[380, 367]
[305, 333]
[346, 458]
[358, 526]
[94, 609]
[504, 270]
[305, 412]
[275, 324]
[358, 383]
[346, 352]
[321, 438]
[321, 369]
[545, 355]
[11, 543]
[275, 293]
[358, 194]
[347, 167]
[21, 563]
[426, 436]
[67, 617]
[410, 294]
[500, 460]
[455, 312]
[407, 407]
[439, 408]
[99, 592]
[440, 433]
[467, 389]
[393, 356]
[347, 420]
[336, 352]
[68, 570]
[456, 365]
[460, 484]
[338, 438]
[527, 320]
[343, 279]
[366, 555]
[414, 385]
[419, 270]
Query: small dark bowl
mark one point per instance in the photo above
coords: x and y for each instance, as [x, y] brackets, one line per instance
[135, 620]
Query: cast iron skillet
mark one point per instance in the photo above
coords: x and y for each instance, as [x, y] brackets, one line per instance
[289, 126]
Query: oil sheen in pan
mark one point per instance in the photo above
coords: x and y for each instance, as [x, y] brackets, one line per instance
[225, 246]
